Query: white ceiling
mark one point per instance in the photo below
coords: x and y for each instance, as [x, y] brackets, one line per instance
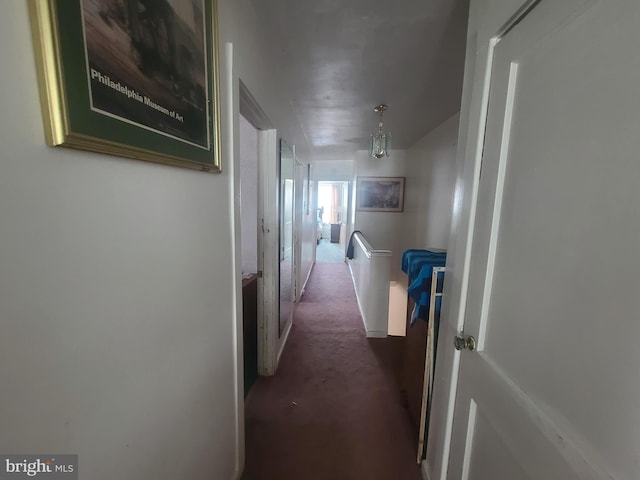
[340, 58]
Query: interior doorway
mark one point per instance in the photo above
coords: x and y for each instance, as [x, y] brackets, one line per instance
[332, 212]
[249, 219]
[257, 216]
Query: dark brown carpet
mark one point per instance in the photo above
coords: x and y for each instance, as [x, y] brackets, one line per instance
[333, 411]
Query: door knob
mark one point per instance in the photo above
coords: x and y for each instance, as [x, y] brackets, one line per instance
[461, 342]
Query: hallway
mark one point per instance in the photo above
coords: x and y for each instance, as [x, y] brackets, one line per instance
[328, 252]
[333, 411]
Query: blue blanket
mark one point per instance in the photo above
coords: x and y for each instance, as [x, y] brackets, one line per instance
[418, 265]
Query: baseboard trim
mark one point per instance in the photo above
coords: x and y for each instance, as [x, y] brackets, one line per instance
[284, 341]
[425, 471]
[376, 333]
[249, 397]
[304, 284]
[238, 473]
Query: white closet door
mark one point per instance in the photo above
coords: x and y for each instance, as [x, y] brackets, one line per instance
[552, 390]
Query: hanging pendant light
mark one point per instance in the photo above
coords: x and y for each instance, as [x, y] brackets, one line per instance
[380, 141]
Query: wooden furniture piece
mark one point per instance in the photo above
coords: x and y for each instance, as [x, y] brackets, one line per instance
[250, 330]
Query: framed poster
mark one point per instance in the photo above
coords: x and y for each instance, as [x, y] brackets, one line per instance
[131, 78]
[380, 194]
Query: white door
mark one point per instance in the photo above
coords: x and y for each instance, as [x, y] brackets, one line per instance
[552, 390]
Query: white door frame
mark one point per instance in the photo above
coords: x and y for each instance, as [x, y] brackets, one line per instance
[298, 190]
[268, 252]
[268, 264]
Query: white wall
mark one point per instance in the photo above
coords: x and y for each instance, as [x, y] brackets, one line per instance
[118, 293]
[383, 230]
[333, 170]
[431, 175]
[117, 319]
[249, 195]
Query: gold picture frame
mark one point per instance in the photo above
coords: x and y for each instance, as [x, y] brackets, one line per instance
[130, 78]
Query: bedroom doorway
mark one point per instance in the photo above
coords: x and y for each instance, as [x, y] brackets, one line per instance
[332, 213]
[256, 207]
[248, 135]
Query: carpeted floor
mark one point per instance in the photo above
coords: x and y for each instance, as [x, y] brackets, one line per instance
[333, 411]
[328, 252]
